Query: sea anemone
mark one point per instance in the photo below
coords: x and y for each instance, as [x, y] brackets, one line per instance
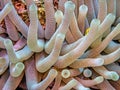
[59, 44]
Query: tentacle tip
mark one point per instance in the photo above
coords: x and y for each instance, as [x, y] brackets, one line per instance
[33, 7]
[60, 36]
[20, 66]
[99, 79]
[54, 72]
[111, 15]
[99, 61]
[96, 21]
[70, 5]
[2, 61]
[7, 42]
[83, 8]
[65, 73]
[18, 69]
[115, 76]
[9, 5]
[58, 15]
[87, 73]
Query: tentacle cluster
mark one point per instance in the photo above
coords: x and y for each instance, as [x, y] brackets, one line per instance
[78, 50]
